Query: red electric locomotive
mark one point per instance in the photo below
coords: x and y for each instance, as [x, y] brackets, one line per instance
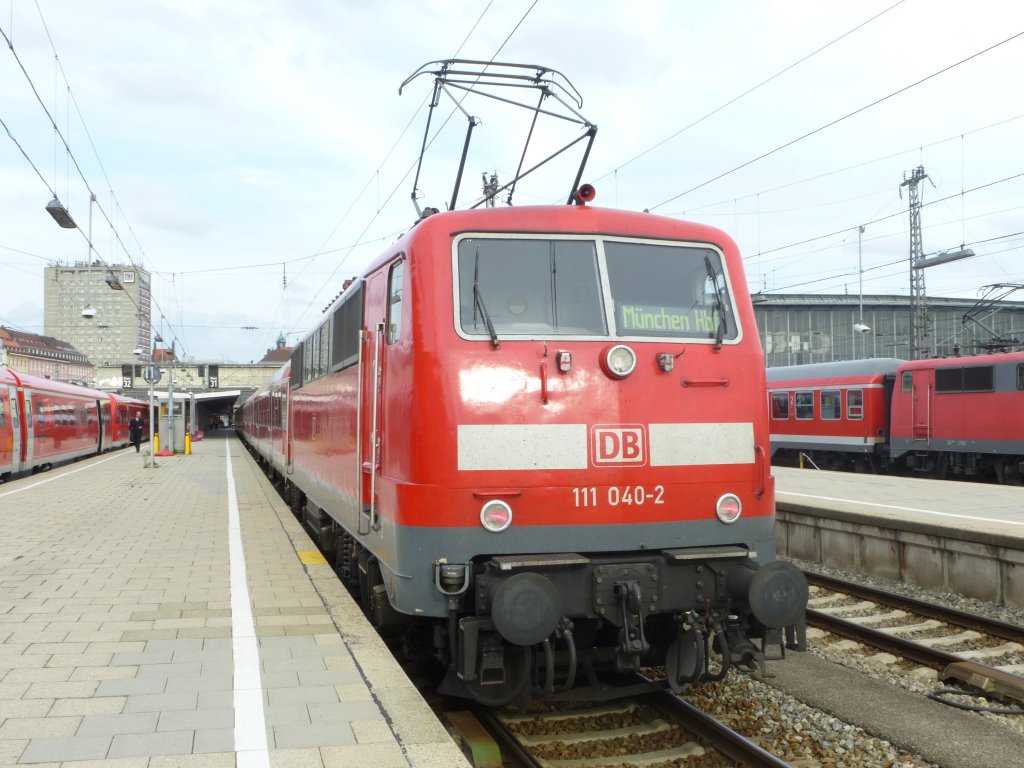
[543, 430]
[947, 417]
[44, 423]
[961, 416]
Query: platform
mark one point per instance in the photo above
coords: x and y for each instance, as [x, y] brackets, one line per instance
[180, 616]
[947, 535]
[985, 508]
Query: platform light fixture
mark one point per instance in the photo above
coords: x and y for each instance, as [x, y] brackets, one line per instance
[945, 256]
[60, 214]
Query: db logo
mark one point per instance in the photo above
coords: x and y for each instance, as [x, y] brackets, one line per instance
[619, 444]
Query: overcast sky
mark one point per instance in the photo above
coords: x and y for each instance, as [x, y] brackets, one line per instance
[254, 155]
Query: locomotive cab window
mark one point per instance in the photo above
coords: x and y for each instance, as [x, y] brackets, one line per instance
[1020, 376]
[831, 404]
[669, 290]
[780, 405]
[804, 402]
[394, 320]
[519, 286]
[907, 381]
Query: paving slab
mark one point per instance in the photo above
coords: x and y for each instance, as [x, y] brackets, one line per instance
[149, 622]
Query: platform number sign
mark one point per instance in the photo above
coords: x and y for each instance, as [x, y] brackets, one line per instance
[214, 376]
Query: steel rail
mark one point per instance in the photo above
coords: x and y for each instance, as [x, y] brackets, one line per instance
[677, 711]
[727, 741]
[953, 616]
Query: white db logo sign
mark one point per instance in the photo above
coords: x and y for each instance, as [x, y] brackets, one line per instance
[618, 445]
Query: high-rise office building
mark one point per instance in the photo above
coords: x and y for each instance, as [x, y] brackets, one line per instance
[104, 312]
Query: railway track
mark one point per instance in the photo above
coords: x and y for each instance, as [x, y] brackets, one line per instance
[652, 730]
[984, 653]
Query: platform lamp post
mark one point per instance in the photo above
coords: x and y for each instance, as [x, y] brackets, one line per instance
[859, 326]
[89, 312]
[152, 376]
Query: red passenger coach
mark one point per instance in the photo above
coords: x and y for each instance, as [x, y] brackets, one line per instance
[44, 423]
[543, 430]
[835, 414]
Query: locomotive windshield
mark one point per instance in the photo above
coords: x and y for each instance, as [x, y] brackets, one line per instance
[547, 287]
[668, 290]
[537, 287]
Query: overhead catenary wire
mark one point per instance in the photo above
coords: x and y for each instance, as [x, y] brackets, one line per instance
[71, 156]
[751, 90]
[838, 120]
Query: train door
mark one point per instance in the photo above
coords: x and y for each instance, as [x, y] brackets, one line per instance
[382, 305]
[923, 385]
[10, 431]
[28, 450]
[93, 422]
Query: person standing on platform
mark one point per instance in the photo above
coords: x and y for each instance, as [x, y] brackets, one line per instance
[135, 427]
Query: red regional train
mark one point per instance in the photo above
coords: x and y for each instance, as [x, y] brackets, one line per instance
[542, 429]
[947, 417]
[44, 423]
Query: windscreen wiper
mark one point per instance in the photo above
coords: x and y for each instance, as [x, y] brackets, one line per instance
[478, 303]
[722, 328]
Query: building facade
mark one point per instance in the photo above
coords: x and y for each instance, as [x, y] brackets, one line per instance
[44, 356]
[104, 312]
[815, 328]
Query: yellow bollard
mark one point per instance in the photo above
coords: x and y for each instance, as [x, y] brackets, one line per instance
[156, 444]
[188, 444]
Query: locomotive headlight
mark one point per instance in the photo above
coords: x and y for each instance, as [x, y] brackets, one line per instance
[618, 361]
[496, 516]
[729, 508]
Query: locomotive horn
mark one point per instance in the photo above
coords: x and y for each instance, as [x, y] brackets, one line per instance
[585, 193]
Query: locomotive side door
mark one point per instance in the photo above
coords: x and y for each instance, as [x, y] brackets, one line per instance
[371, 375]
[382, 326]
[921, 403]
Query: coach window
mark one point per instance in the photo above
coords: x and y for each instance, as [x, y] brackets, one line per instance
[855, 404]
[40, 417]
[395, 303]
[780, 405]
[804, 402]
[1020, 376]
[831, 404]
[3, 414]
